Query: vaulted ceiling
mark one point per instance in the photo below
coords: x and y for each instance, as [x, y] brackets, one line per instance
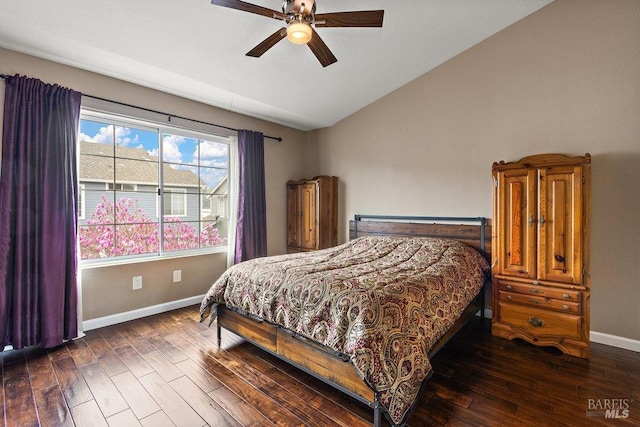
[197, 50]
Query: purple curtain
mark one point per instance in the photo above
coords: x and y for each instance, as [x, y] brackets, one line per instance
[38, 203]
[251, 231]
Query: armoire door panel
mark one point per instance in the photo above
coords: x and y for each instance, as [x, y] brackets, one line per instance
[560, 246]
[516, 216]
[293, 212]
[308, 231]
[516, 190]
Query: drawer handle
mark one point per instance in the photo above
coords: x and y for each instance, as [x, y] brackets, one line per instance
[536, 322]
[535, 282]
[565, 307]
[509, 297]
[535, 301]
[535, 291]
[565, 296]
[509, 287]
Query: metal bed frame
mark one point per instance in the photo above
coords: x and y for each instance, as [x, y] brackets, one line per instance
[375, 405]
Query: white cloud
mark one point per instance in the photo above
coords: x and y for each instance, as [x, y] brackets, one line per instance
[214, 163]
[210, 150]
[171, 148]
[105, 136]
[213, 154]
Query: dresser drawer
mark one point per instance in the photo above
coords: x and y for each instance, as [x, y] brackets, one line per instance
[538, 301]
[540, 322]
[540, 290]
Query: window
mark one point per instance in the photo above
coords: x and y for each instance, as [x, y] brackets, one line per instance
[174, 202]
[205, 204]
[120, 187]
[131, 171]
[81, 201]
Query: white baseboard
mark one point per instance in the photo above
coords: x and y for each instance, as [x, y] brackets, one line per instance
[113, 319]
[615, 341]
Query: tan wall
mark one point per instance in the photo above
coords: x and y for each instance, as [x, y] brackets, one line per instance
[565, 79]
[108, 290]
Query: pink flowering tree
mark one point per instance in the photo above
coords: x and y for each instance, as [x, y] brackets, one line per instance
[127, 230]
[210, 236]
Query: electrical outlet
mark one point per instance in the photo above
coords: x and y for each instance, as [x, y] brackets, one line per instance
[137, 282]
[177, 276]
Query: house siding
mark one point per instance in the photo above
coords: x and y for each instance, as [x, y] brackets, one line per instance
[146, 196]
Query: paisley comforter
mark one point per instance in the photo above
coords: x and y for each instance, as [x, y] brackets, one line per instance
[381, 301]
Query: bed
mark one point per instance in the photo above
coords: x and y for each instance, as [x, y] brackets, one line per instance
[365, 316]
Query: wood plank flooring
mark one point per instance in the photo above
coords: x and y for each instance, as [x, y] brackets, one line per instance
[166, 370]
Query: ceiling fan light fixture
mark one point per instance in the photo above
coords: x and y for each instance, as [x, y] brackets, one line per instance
[299, 33]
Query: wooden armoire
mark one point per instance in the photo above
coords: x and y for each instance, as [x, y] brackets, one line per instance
[312, 214]
[540, 271]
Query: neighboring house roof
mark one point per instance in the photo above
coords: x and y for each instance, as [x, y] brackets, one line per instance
[133, 166]
[222, 188]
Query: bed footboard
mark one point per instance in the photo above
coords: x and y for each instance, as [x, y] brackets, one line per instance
[303, 354]
[312, 358]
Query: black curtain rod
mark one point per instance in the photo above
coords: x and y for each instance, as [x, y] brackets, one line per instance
[277, 138]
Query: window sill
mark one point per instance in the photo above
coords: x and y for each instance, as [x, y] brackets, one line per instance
[102, 262]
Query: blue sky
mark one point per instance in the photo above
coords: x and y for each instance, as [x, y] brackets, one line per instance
[177, 149]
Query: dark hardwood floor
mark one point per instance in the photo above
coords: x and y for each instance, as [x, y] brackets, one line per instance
[165, 370]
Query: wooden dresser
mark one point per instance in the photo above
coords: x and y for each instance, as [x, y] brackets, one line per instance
[540, 240]
[312, 214]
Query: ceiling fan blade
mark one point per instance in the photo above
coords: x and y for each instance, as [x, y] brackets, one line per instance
[268, 43]
[365, 18]
[248, 7]
[320, 50]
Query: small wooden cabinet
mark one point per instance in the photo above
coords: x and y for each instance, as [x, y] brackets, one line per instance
[312, 214]
[540, 272]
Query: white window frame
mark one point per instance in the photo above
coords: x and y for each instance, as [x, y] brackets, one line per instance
[223, 205]
[83, 201]
[174, 192]
[162, 126]
[204, 212]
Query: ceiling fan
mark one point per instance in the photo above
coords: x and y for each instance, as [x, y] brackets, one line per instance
[300, 17]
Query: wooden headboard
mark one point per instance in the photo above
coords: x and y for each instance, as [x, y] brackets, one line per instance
[474, 231]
